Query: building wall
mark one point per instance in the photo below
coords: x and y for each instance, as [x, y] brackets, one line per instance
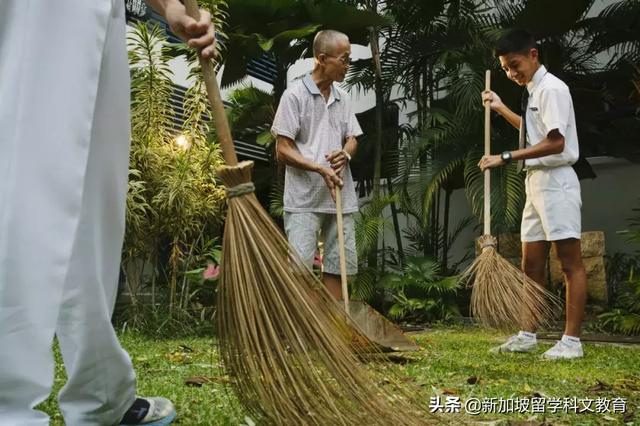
[608, 200]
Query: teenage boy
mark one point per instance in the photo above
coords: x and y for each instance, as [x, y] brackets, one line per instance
[548, 148]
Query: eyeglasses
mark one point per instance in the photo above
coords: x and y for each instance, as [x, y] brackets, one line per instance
[346, 60]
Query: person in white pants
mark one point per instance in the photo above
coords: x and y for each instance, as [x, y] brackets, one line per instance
[548, 149]
[64, 148]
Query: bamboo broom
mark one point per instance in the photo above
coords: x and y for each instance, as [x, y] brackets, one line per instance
[341, 248]
[283, 340]
[359, 340]
[502, 295]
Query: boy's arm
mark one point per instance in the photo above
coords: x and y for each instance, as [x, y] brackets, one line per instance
[554, 104]
[510, 116]
[552, 144]
[497, 106]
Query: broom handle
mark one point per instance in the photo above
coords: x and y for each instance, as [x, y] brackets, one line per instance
[217, 107]
[343, 261]
[487, 151]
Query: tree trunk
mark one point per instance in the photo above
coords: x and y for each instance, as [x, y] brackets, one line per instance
[129, 279]
[377, 151]
[445, 231]
[153, 262]
[173, 283]
[375, 54]
[396, 225]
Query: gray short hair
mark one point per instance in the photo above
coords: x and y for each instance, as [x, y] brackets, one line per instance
[325, 41]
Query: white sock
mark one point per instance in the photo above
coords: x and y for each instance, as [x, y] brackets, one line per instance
[527, 335]
[571, 340]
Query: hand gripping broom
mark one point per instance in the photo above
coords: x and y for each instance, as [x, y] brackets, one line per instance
[503, 296]
[283, 340]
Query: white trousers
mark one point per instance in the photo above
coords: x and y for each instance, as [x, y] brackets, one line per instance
[64, 146]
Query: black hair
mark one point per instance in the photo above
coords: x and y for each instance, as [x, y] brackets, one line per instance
[515, 41]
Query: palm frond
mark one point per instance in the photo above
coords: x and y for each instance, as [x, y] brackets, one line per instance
[368, 222]
[276, 199]
[363, 287]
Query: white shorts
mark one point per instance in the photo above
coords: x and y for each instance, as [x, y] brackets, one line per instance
[552, 209]
[303, 229]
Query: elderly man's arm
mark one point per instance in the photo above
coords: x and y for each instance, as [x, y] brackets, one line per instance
[339, 159]
[289, 155]
[197, 34]
[351, 146]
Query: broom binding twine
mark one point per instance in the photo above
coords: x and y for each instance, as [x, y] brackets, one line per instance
[241, 189]
[487, 241]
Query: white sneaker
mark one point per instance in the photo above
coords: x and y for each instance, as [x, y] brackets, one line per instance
[563, 350]
[517, 343]
[150, 411]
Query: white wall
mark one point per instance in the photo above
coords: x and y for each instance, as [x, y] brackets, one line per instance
[608, 199]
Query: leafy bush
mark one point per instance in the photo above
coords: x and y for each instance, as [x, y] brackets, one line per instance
[420, 293]
[624, 283]
[625, 318]
[175, 207]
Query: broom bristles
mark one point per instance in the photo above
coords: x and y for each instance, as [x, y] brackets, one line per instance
[284, 340]
[503, 297]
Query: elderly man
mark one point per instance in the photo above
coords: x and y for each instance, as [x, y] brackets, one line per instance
[316, 132]
[64, 85]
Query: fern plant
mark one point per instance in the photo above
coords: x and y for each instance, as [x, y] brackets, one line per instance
[367, 222]
[251, 112]
[420, 292]
[625, 317]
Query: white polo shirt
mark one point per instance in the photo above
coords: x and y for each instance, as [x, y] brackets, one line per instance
[318, 127]
[550, 107]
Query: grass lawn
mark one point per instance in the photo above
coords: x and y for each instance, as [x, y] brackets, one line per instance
[454, 363]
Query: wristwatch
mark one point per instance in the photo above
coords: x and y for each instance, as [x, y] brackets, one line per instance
[506, 157]
[346, 154]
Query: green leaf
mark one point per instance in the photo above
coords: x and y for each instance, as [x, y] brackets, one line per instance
[265, 138]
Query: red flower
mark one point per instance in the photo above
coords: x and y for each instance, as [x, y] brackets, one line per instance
[211, 273]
